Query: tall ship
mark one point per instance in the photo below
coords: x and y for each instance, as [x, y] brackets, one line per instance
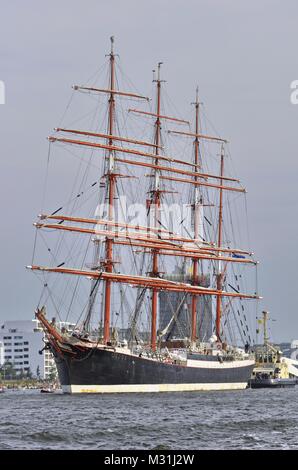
[143, 256]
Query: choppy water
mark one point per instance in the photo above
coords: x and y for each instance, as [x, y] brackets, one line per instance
[250, 419]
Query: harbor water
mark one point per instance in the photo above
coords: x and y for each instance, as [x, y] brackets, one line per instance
[250, 419]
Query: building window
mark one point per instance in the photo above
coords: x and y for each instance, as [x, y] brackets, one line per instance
[7, 344]
[7, 357]
[26, 355]
[18, 363]
[18, 357]
[18, 344]
[26, 362]
[18, 337]
[6, 337]
[26, 342]
[26, 349]
[7, 350]
[18, 350]
[13, 331]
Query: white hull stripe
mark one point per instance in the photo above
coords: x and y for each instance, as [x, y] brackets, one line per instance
[140, 388]
[220, 365]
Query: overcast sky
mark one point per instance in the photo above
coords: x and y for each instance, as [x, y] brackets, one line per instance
[242, 54]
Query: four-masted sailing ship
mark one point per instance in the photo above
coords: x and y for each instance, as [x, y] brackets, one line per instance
[171, 271]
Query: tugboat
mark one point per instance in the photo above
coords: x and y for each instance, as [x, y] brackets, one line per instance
[271, 369]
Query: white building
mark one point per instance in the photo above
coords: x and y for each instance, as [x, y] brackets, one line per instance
[22, 342]
[1, 353]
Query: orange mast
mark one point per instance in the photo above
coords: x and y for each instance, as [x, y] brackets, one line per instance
[219, 243]
[196, 209]
[156, 205]
[111, 179]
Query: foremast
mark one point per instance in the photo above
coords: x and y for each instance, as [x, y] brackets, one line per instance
[111, 180]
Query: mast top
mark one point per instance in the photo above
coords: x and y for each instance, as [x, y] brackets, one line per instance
[158, 70]
[112, 45]
[158, 80]
[112, 54]
[222, 149]
[197, 102]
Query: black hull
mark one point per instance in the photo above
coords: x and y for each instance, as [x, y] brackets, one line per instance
[272, 383]
[105, 371]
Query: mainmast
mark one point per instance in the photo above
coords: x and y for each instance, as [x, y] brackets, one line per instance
[196, 209]
[156, 206]
[219, 244]
[111, 181]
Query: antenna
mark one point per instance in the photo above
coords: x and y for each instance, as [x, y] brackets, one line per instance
[158, 80]
[197, 103]
[159, 66]
[112, 44]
